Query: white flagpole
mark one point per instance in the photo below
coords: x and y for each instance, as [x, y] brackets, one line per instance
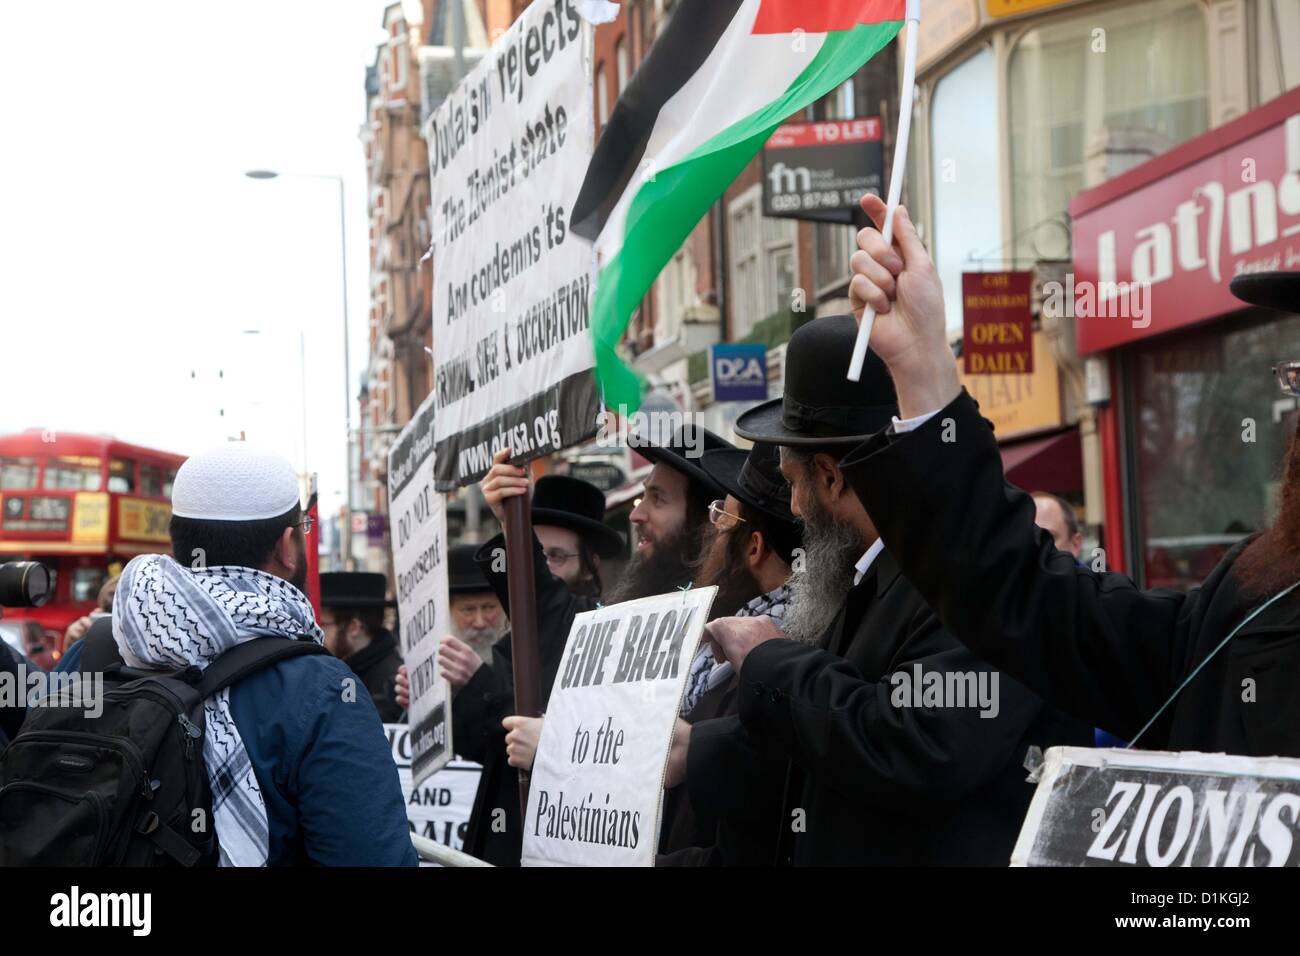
[896, 174]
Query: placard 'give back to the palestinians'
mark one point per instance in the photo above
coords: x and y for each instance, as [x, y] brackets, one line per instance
[597, 784]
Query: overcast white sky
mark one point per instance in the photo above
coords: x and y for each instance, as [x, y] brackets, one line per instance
[133, 251]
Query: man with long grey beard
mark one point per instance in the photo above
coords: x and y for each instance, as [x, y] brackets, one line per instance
[904, 747]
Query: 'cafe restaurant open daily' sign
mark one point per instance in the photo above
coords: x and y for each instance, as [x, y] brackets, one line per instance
[997, 322]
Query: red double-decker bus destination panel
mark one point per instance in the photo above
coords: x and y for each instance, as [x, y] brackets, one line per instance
[84, 505]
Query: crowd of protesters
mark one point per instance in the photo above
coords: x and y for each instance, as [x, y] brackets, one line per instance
[866, 530]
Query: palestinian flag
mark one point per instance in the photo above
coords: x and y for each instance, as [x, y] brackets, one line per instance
[719, 79]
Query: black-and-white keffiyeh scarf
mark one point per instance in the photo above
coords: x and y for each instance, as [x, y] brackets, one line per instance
[706, 673]
[166, 617]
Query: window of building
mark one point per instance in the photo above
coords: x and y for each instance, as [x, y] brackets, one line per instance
[966, 183]
[1137, 70]
[1279, 54]
[764, 262]
[781, 263]
[676, 294]
[151, 481]
[121, 476]
[834, 245]
[17, 474]
[745, 253]
[86, 583]
[1191, 396]
[620, 56]
[397, 51]
[602, 97]
[845, 100]
[70, 473]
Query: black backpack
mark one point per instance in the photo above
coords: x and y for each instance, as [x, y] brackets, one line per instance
[126, 788]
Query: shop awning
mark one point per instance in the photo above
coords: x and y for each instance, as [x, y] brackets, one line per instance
[1054, 463]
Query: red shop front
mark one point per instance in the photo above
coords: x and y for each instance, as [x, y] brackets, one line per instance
[1195, 427]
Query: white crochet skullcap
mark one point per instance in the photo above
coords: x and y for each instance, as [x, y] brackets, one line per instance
[234, 482]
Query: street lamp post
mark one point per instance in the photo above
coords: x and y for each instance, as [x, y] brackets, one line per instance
[347, 360]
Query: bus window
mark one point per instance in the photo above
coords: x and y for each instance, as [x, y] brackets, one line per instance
[67, 473]
[86, 583]
[17, 474]
[168, 482]
[121, 476]
[151, 481]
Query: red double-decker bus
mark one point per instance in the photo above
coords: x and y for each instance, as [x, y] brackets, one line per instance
[84, 505]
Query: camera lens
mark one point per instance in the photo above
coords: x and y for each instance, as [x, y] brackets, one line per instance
[24, 584]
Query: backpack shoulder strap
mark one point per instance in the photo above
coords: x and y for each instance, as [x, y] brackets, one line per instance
[250, 657]
[99, 650]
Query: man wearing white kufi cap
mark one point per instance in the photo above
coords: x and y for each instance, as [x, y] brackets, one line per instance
[299, 766]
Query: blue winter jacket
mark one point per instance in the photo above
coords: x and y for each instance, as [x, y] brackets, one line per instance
[324, 765]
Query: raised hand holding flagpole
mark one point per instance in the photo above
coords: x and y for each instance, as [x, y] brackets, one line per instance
[895, 175]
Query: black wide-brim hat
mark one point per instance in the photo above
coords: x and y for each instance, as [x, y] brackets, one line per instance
[1270, 290]
[754, 478]
[354, 589]
[463, 573]
[820, 405]
[684, 453]
[579, 506]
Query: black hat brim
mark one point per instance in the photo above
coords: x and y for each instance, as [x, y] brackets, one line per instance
[688, 467]
[1268, 290]
[467, 585]
[766, 423]
[356, 602]
[604, 540]
[725, 468]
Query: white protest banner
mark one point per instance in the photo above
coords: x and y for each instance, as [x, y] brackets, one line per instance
[439, 808]
[419, 535]
[1152, 808]
[597, 786]
[508, 150]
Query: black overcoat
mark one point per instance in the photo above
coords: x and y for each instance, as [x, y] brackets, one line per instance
[1091, 643]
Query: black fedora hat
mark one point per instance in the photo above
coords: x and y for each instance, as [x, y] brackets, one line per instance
[463, 573]
[1271, 290]
[579, 506]
[820, 405]
[353, 589]
[754, 478]
[684, 452]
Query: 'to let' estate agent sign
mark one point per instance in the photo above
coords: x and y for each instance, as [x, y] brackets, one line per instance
[508, 151]
[1147, 808]
[821, 170]
[596, 794]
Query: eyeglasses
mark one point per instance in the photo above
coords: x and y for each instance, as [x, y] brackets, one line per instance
[557, 558]
[306, 524]
[721, 517]
[1288, 377]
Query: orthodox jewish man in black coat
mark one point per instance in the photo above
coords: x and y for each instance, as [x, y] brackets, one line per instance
[1213, 669]
[904, 747]
[569, 539]
[352, 619]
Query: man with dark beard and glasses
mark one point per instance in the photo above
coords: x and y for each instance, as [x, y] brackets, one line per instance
[904, 747]
[1162, 669]
[727, 814]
